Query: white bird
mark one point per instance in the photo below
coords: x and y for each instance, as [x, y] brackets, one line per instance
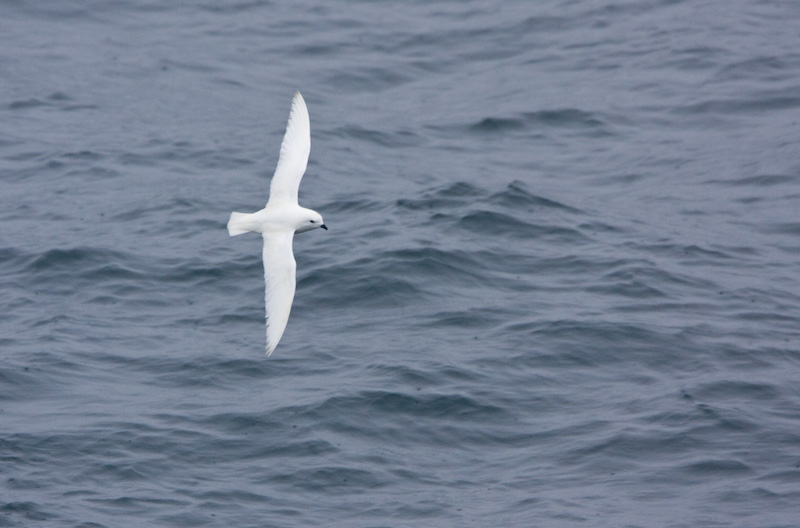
[280, 220]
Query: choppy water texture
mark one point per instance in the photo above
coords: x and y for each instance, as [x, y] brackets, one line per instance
[561, 284]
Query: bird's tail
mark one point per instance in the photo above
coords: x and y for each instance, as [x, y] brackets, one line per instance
[240, 223]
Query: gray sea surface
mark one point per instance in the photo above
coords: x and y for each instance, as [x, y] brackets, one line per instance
[561, 285]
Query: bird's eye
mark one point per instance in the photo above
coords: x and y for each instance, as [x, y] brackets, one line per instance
[312, 221]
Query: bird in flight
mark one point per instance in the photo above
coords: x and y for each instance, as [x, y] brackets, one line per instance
[280, 220]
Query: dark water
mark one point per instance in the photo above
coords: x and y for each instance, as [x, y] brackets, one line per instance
[561, 285]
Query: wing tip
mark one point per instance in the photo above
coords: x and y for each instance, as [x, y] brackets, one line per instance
[270, 346]
[298, 101]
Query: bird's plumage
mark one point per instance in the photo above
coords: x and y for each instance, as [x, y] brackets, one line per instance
[279, 282]
[295, 149]
[280, 220]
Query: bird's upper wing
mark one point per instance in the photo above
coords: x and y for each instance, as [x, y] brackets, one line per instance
[279, 279]
[294, 154]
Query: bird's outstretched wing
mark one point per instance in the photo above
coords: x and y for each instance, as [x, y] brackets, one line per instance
[294, 154]
[279, 281]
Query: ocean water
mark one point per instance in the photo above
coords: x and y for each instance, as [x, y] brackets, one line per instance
[561, 285]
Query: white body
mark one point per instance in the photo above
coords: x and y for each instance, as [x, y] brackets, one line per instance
[280, 220]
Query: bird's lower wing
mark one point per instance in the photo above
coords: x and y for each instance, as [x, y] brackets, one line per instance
[279, 279]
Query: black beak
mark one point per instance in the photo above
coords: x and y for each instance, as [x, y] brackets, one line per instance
[323, 226]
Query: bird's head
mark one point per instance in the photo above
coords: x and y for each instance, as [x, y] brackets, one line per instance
[311, 220]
